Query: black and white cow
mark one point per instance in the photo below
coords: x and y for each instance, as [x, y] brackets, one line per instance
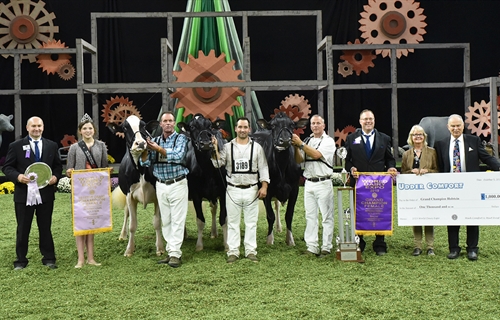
[275, 137]
[136, 182]
[205, 181]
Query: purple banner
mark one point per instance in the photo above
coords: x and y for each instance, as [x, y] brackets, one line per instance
[374, 204]
[91, 201]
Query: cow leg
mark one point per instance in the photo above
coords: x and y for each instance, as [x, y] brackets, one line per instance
[270, 219]
[213, 230]
[277, 205]
[160, 247]
[223, 218]
[200, 221]
[289, 215]
[124, 232]
[132, 205]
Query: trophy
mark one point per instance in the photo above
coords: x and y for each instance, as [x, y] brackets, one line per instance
[347, 240]
[344, 175]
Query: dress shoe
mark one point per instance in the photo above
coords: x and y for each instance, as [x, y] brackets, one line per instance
[19, 267]
[174, 262]
[430, 252]
[93, 263]
[51, 265]
[417, 252]
[164, 261]
[308, 253]
[232, 259]
[252, 257]
[453, 255]
[324, 254]
[381, 253]
[472, 256]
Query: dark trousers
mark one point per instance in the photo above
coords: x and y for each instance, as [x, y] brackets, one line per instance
[24, 217]
[472, 238]
[379, 244]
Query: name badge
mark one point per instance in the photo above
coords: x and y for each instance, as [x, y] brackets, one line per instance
[26, 147]
[241, 165]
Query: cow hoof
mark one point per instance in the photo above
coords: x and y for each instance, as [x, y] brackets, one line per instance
[270, 239]
[213, 236]
[289, 239]
[159, 253]
[128, 255]
[120, 238]
[199, 248]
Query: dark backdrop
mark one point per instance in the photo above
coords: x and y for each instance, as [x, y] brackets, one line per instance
[282, 48]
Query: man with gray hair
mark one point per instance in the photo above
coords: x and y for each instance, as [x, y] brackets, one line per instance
[461, 153]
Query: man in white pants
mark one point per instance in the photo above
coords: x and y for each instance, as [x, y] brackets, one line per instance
[317, 153]
[246, 166]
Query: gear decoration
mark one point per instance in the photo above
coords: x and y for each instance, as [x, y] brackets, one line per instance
[341, 136]
[112, 104]
[360, 60]
[47, 63]
[293, 113]
[66, 71]
[68, 140]
[122, 112]
[478, 119]
[25, 25]
[213, 102]
[345, 69]
[392, 21]
[300, 102]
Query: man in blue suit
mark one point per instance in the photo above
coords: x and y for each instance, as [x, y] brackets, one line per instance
[21, 154]
[369, 150]
[461, 153]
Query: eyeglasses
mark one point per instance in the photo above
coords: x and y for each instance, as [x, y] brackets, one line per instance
[368, 119]
[418, 134]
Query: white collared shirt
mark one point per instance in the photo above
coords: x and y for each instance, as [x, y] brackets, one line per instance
[371, 138]
[40, 145]
[462, 152]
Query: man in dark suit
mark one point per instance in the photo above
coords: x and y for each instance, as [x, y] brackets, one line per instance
[21, 154]
[369, 151]
[461, 153]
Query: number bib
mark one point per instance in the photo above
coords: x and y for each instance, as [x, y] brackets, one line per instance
[241, 165]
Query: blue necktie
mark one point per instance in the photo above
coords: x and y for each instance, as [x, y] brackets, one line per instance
[368, 148]
[37, 151]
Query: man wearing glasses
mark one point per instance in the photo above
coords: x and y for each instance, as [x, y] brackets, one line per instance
[369, 150]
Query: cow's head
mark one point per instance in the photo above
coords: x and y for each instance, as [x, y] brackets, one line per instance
[282, 129]
[201, 130]
[135, 133]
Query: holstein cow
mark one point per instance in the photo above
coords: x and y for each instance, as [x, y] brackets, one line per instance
[136, 182]
[275, 137]
[205, 181]
[5, 125]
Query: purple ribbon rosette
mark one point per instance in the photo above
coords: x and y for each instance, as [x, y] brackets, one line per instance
[33, 197]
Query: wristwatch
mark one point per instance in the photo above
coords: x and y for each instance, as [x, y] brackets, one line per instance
[302, 146]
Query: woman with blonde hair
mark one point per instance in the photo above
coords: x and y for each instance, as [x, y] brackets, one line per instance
[420, 159]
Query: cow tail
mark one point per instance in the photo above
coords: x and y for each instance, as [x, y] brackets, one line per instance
[119, 199]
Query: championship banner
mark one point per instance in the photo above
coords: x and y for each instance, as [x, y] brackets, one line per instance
[374, 204]
[91, 201]
[449, 199]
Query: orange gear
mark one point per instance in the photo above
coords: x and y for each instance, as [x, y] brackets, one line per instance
[46, 62]
[112, 104]
[299, 102]
[121, 113]
[345, 69]
[389, 21]
[478, 119]
[68, 140]
[66, 71]
[360, 60]
[212, 102]
[25, 23]
[349, 129]
[340, 137]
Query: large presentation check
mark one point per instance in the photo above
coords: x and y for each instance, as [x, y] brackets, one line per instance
[438, 199]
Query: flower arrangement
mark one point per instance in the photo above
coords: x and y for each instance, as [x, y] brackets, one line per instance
[337, 179]
[114, 183]
[7, 188]
[64, 185]
[111, 159]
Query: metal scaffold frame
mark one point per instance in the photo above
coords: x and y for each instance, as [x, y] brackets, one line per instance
[324, 49]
